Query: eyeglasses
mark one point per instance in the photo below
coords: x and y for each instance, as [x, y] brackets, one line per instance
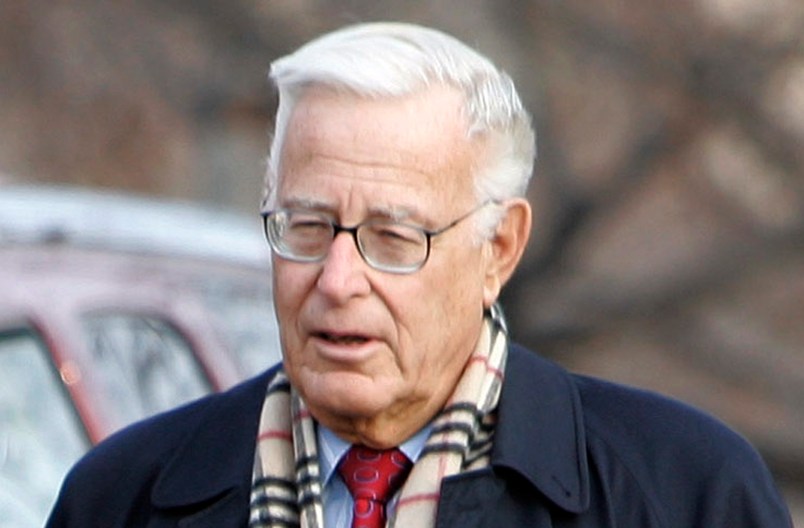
[385, 245]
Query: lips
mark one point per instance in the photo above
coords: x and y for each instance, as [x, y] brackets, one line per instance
[342, 339]
[344, 347]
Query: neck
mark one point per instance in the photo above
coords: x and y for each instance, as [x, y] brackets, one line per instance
[379, 432]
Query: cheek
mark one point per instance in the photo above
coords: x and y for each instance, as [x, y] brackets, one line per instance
[439, 321]
[459, 288]
[291, 280]
[291, 287]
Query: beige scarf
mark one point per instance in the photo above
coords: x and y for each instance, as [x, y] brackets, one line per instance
[286, 489]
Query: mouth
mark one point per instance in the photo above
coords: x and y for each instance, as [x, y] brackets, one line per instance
[342, 339]
[344, 348]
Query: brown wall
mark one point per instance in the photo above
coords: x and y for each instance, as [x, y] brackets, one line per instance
[668, 248]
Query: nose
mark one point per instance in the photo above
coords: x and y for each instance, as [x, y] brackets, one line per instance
[343, 271]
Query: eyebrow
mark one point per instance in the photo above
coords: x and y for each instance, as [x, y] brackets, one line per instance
[395, 213]
[306, 203]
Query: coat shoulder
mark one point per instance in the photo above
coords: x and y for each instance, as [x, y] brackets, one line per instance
[635, 420]
[118, 475]
[687, 465]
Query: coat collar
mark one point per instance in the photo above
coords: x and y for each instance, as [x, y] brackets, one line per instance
[540, 432]
[219, 456]
[540, 435]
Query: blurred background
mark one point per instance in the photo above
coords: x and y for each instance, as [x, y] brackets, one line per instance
[668, 249]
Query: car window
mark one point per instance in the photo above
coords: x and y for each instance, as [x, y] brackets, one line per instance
[41, 435]
[247, 323]
[143, 364]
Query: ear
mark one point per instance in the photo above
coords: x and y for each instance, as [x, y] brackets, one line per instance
[506, 248]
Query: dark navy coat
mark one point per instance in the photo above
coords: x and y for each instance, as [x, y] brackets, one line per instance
[569, 452]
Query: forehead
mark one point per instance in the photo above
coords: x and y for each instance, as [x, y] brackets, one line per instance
[392, 149]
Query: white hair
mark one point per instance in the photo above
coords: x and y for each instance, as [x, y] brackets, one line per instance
[384, 59]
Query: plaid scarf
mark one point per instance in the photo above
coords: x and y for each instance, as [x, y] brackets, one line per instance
[286, 487]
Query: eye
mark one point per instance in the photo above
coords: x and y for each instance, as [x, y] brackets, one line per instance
[392, 239]
[306, 233]
[396, 234]
[305, 223]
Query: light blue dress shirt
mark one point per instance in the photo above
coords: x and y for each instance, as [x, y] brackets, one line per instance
[338, 502]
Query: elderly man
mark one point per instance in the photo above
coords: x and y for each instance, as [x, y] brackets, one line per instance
[395, 212]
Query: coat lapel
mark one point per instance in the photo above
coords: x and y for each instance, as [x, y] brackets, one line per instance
[539, 443]
[540, 432]
[208, 482]
[226, 511]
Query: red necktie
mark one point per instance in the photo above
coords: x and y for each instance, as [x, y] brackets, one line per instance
[372, 478]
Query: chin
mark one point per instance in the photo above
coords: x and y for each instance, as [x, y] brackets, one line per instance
[347, 396]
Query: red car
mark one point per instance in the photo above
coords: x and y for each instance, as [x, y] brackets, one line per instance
[113, 308]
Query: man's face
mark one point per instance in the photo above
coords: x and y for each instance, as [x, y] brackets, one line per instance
[375, 355]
